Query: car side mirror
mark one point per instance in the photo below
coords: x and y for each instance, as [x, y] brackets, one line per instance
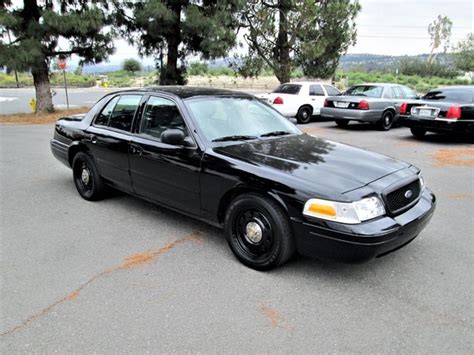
[173, 136]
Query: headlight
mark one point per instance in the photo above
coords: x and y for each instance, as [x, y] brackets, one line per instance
[345, 212]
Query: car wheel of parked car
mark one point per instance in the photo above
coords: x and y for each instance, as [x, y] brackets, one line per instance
[418, 132]
[258, 232]
[342, 123]
[304, 114]
[86, 177]
[387, 120]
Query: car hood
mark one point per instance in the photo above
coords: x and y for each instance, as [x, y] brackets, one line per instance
[316, 161]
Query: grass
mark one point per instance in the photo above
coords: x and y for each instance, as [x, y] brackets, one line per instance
[39, 118]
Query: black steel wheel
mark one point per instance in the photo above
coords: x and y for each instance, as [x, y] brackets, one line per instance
[304, 114]
[418, 132]
[86, 177]
[387, 121]
[342, 123]
[258, 232]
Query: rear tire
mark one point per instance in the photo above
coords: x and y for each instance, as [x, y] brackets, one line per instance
[387, 121]
[259, 232]
[304, 115]
[342, 123]
[88, 182]
[418, 132]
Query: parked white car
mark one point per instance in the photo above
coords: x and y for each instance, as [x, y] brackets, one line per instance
[300, 99]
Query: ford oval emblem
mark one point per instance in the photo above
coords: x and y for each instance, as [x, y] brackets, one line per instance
[408, 194]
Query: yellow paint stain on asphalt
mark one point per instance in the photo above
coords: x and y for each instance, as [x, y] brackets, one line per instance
[131, 261]
[274, 317]
[454, 157]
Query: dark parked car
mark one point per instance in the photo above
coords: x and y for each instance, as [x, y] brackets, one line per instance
[235, 162]
[442, 110]
[373, 103]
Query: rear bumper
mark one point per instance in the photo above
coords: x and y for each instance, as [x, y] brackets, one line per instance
[351, 114]
[365, 241]
[433, 125]
[60, 151]
[286, 111]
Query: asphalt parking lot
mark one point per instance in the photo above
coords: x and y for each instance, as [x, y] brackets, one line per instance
[122, 275]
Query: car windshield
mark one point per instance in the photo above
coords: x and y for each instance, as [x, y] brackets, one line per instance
[232, 118]
[292, 89]
[453, 95]
[365, 90]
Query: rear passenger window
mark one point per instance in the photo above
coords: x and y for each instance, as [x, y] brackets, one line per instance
[159, 115]
[331, 90]
[104, 115]
[316, 90]
[396, 93]
[122, 115]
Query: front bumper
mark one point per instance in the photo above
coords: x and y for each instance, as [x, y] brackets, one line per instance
[365, 241]
[437, 125]
[351, 114]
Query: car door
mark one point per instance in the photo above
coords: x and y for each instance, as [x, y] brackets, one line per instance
[165, 173]
[317, 96]
[109, 138]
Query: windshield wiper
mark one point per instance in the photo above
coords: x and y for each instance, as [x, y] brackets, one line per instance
[275, 133]
[234, 138]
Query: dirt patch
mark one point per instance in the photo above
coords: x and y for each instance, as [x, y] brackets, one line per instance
[274, 317]
[314, 130]
[454, 157]
[40, 118]
[134, 260]
[461, 197]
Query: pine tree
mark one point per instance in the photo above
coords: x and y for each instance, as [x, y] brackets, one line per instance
[170, 30]
[36, 28]
[285, 34]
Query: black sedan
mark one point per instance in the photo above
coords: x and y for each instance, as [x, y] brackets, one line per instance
[442, 110]
[235, 162]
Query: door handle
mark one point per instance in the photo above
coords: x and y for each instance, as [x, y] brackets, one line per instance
[136, 149]
[92, 138]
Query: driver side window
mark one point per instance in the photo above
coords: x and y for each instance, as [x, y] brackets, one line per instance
[159, 115]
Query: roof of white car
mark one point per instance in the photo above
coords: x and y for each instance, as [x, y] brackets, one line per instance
[306, 82]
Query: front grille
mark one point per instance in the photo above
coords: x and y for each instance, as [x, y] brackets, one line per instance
[401, 198]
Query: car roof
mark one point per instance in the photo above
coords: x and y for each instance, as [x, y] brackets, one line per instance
[185, 92]
[463, 87]
[378, 84]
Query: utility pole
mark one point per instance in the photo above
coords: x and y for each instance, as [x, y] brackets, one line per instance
[14, 70]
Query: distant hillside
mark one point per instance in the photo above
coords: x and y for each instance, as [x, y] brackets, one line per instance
[379, 62]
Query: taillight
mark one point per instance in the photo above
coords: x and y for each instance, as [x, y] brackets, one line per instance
[278, 101]
[454, 112]
[363, 105]
[403, 108]
[326, 103]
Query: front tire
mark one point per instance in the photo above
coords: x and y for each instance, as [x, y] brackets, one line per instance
[258, 232]
[418, 132]
[88, 182]
[304, 115]
[387, 121]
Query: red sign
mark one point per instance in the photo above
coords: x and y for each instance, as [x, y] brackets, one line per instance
[62, 63]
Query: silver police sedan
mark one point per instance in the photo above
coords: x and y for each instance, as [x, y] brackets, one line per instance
[374, 103]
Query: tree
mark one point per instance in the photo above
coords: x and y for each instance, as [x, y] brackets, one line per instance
[169, 30]
[131, 65]
[463, 54]
[440, 34]
[37, 28]
[284, 34]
